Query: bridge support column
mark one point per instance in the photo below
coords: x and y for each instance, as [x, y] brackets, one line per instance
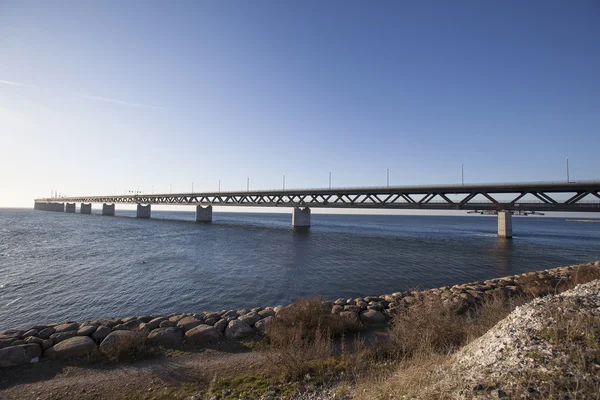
[86, 208]
[70, 207]
[143, 211]
[57, 207]
[203, 214]
[504, 224]
[301, 217]
[108, 209]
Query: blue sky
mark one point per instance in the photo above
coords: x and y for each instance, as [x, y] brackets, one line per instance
[100, 97]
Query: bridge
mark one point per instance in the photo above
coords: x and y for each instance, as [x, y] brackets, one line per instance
[502, 199]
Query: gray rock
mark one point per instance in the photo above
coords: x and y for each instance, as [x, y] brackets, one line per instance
[372, 317]
[188, 323]
[278, 308]
[31, 332]
[251, 318]
[337, 309]
[18, 342]
[170, 337]
[167, 324]
[243, 312]
[262, 324]
[202, 334]
[152, 324]
[86, 330]
[230, 315]
[77, 346]
[266, 313]
[101, 332]
[117, 338]
[45, 333]
[47, 343]
[340, 302]
[352, 308]
[349, 316]
[34, 339]
[176, 318]
[70, 326]
[237, 329]
[220, 325]
[17, 355]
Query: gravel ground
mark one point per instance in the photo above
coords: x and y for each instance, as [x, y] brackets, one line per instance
[499, 361]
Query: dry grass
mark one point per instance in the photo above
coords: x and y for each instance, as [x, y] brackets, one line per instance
[421, 340]
[300, 340]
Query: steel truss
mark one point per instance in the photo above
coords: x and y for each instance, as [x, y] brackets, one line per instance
[578, 196]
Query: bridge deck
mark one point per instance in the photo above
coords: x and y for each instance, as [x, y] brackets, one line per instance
[537, 196]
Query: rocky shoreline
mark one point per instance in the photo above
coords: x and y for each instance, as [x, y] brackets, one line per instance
[79, 339]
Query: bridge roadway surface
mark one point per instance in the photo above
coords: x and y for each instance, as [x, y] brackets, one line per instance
[524, 197]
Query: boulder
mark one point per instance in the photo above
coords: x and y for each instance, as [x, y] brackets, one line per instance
[170, 337]
[31, 332]
[372, 317]
[267, 312]
[243, 311]
[86, 330]
[47, 343]
[69, 326]
[202, 334]
[152, 324]
[18, 342]
[176, 318]
[349, 316]
[59, 337]
[45, 333]
[34, 339]
[101, 332]
[116, 339]
[220, 325]
[237, 329]
[188, 323]
[77, 346]
[167, 324]
[251, 318]
[230, 315]
[337, 309]
[262, 324]
[16, 355]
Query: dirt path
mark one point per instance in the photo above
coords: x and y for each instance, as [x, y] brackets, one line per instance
[177, 375]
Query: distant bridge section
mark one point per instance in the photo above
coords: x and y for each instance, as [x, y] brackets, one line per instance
[504, 199]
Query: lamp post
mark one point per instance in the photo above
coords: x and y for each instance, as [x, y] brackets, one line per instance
[388, 177]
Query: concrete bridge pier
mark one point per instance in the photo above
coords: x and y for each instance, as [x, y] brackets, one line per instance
[86, 208]
[301, 217]
[203, 214]
[48, 206]
[143, 211]
[504, 224]
[70, 207]
[108, 209]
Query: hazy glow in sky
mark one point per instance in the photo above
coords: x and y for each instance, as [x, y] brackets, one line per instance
[103, 97]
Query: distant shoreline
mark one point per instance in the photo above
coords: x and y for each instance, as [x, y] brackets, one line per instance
[582, 220]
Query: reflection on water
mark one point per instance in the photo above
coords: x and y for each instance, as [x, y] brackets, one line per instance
[88, 267]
